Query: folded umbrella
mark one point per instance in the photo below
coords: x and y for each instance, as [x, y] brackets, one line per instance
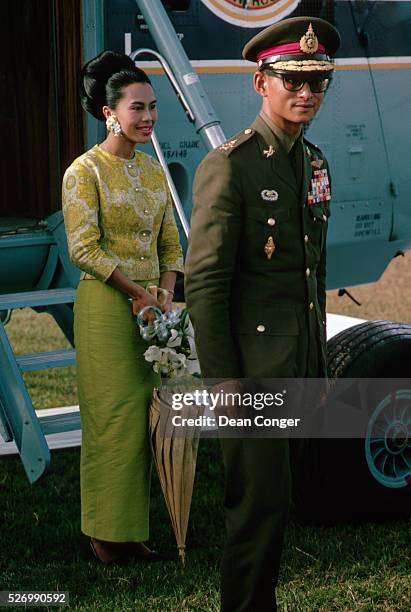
[175, 455]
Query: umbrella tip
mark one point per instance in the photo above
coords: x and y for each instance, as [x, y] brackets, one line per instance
[182, 553]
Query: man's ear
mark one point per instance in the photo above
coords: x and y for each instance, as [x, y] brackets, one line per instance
[259, 82]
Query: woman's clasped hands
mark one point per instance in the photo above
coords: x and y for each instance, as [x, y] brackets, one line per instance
[152, 296]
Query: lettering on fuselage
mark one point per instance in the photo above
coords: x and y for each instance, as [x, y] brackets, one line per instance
[367, 225]
[356, 131]
[179, 152]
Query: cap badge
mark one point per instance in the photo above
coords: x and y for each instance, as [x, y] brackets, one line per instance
[269, 152]
[309, 42]
[269, 195]
[269, 247]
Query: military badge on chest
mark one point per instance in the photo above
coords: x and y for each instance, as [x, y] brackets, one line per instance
[320, 187]
[269, 195]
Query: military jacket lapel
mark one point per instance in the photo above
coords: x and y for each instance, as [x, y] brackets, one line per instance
[275, 154]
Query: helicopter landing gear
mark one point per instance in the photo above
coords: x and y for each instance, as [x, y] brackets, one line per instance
[346, 480]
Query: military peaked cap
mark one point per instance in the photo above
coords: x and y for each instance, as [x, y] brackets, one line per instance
[294, 45]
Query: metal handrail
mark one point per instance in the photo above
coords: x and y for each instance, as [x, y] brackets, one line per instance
[207, 124]
[172, 187]
[154, 139]
[162, 60]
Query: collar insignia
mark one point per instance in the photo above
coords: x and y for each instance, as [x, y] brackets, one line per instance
[309, 42]
[269, 152]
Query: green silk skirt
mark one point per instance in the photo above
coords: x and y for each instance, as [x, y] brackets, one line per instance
[115, 384]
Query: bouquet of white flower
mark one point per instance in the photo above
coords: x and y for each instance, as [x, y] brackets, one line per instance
[174, 353]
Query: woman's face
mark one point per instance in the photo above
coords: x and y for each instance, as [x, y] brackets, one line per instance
[136, 112]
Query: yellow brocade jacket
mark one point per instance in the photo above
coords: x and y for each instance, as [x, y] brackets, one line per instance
[119, 213]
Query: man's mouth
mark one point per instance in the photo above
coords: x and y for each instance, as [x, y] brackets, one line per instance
[304, 106]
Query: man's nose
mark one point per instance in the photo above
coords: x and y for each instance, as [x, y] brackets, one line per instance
[306, 92]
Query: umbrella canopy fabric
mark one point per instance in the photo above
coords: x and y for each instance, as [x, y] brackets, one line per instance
[175, 456]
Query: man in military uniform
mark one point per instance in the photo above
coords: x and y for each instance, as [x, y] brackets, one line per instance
[255, 282]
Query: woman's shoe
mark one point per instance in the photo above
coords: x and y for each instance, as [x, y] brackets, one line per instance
[110, 553]
[121, 553]
[141, 552]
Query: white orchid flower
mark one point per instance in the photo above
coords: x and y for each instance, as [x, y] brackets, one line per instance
[153, 353]
[175, 339]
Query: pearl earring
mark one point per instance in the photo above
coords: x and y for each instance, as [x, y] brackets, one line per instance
[113, 125]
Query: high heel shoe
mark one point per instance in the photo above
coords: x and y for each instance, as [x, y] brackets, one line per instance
[110, 553]
[141, 552]
[121, 553]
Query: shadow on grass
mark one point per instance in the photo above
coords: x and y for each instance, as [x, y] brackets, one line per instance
[42, 547]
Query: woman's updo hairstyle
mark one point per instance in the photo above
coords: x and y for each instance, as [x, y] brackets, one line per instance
[103, 78]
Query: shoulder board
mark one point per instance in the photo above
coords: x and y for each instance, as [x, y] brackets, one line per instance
[236, 141]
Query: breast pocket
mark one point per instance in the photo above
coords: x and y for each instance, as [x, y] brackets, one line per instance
[317, 219]
[263, 231]
[268, 341]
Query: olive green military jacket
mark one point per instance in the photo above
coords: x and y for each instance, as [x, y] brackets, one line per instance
[256, 262]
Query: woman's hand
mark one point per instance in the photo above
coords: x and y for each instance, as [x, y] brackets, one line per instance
[168, 306]
[139, 296]
[166, 285]
[141, 299]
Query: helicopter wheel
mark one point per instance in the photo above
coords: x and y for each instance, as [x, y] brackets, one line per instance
[346, 480]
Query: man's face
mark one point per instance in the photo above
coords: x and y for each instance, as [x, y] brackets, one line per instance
[287, 109]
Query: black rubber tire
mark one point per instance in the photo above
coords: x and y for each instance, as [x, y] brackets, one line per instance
[332, 482]
[375, 349]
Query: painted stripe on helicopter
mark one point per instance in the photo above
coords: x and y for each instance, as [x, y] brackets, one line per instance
[229, 66]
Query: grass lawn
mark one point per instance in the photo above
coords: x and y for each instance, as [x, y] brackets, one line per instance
[352, 568]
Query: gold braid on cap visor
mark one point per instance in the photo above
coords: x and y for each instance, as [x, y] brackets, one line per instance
[322, 64]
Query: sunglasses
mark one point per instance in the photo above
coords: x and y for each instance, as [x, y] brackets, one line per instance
[318, 84]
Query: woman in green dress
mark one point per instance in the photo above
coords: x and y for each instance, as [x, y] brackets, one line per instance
[122, 234]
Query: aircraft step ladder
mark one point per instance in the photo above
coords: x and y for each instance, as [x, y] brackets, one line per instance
[18, 419]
